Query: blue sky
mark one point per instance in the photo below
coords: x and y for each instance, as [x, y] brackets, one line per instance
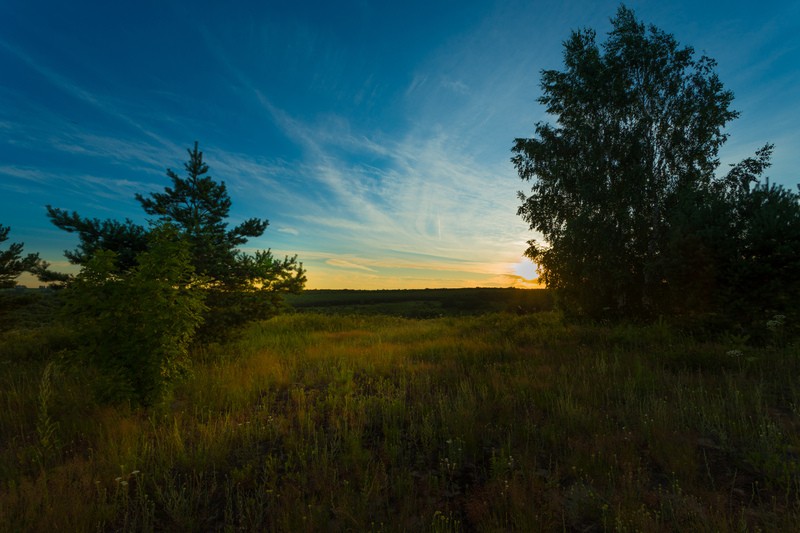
[374, 136]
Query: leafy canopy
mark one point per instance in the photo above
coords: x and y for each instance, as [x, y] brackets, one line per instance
[622, 181]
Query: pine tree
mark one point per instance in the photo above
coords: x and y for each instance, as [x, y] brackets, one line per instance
[199, 206]
[12, 263]
[238, 287]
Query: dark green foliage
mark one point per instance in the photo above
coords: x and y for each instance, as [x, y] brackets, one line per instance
[734, 248]
[125, 239]
[768, 265]
[135, 327]
[199, 207]
[633, 219]
[55, 280]
[239, 287]
[12, 263]
[255, 292]
[28, 308]
[638, 119]
[227, 311]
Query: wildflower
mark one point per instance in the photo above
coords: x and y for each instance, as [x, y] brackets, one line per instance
[734, 353]
[776, 323]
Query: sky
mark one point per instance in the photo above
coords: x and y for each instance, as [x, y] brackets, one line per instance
[374, 136]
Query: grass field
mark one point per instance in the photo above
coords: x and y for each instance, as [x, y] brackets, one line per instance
[422, 303]
[371, 422]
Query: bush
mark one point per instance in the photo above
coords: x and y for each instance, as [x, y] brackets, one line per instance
[136, 327]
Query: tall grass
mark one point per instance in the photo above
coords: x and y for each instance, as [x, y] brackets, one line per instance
[376, 423]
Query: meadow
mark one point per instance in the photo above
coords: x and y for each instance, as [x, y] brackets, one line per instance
[358, 418]
[421, 303]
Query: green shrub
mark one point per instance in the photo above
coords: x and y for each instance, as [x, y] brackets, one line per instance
[135, 327]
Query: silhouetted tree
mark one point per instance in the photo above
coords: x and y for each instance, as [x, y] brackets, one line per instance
[624, 191]
[12, 262]
[735, 246]
[125, 239]
[240, 287]
[199, 207]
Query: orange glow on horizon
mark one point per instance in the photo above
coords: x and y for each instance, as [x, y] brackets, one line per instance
[341, 274]
[521, 275]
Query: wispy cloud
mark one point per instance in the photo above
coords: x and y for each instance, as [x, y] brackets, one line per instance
[100, 102]
[394, 264]
[373, 192]
[371, 199]
[145, 156]
[457, 86]
[418, 81]
[350, 265]
[426, 195]
[511, 280]
[91, 185]
[27, 174]
[290, 231]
